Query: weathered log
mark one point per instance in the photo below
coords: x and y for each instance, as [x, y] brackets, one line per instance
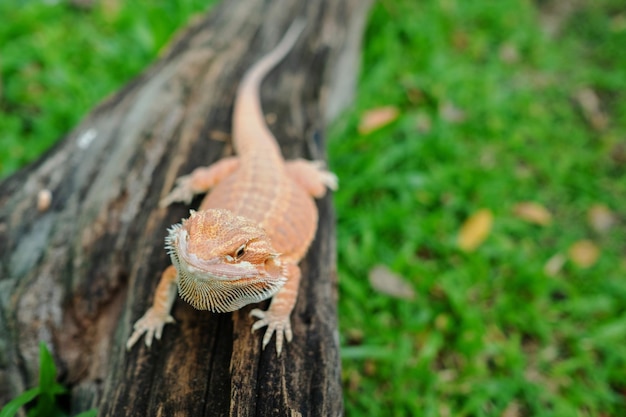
[78, 273]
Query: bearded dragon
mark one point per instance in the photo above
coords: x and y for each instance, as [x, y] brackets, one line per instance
[244, 243]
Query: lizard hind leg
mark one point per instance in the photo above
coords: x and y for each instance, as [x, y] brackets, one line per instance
[277, 317]
[200, 181]
[311, 176]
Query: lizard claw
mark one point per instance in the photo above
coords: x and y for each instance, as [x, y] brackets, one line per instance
[276, 323]
[312, 176]
[329, 179]
[151, 324]
[183, 192]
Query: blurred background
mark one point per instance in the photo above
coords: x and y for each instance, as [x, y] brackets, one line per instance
[481, 240]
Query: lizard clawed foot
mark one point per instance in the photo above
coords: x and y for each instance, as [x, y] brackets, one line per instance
[183, 192]
[312, 176]
[276, 323]
[329, 179]
[151, 324]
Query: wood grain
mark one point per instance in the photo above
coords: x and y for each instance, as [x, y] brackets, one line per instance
[77, 274]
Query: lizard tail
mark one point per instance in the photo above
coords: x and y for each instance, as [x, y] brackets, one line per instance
[248, 119]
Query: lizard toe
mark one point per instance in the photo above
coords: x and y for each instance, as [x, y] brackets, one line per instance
[330, 180]
[151, 325]
[183, 192]
[276, 323]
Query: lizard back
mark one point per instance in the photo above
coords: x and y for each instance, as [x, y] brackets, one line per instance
[261, 191]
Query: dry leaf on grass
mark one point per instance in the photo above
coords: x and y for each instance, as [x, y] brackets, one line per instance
[601, 218]
[533, 213]
[554, 265]
[450, 113]
[375, 119]
[475, 230]
[508, 53]
[385, 281]
[423, 123]
[460, 40]
[584, 253]
[512, 410]
[590, 104]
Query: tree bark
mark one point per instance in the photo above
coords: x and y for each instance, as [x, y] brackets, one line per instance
[78, 272]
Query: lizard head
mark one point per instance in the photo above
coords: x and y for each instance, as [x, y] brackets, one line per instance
[224, 261]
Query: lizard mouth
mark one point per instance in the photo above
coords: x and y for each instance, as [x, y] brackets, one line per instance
[218, 287]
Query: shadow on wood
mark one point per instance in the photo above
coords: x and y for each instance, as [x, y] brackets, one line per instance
[79, 273]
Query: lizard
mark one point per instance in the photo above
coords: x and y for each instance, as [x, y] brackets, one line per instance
[257, 221]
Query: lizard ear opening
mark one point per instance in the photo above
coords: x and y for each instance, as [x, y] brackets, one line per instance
[274, 267]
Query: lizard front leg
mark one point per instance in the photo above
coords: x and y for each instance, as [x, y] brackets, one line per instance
[277, 317]
[200, 181]
[158, 315]
[311, 176]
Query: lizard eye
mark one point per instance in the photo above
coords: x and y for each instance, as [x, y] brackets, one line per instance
[240, 251]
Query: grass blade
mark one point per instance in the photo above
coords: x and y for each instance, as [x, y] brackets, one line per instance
[15, 404]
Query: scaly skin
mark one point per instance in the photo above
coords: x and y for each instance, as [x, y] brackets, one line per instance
[244, 243]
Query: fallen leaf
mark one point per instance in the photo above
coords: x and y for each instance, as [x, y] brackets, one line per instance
[385, 281]
[355, 336]
[423, 123]
[590, 104]
[618, 153]
[533, 213]
[460, 40]
[450, 113]
[475, 230]
[442, 322]
[354, 380]
[369, 367]
[588, 100]
[512, 410]
[375, 119]
[554, 265]
[415, 95]
[618, 23]
[584, 253]
[601, 218]
[508, 53]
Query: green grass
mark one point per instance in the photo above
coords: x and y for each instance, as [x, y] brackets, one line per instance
[58, 61]
[489, 332]
[44, 395]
